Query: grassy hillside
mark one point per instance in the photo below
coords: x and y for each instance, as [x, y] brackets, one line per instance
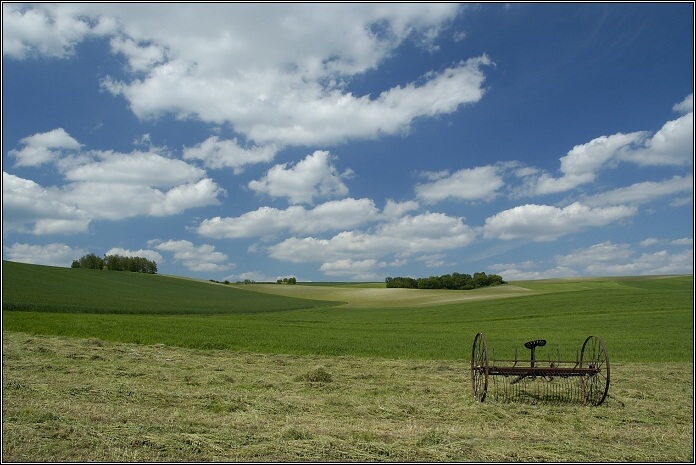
[54, 289]
[647, 319]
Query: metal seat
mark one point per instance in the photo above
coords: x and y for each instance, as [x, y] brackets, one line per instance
[537, 343]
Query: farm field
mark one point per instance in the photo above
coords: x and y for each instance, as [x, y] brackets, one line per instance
[116, 366]
[640, 319]
[82, 400]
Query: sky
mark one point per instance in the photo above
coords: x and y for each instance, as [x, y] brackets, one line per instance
[351, 142]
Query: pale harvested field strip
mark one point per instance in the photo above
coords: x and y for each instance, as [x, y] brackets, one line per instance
[388, 298]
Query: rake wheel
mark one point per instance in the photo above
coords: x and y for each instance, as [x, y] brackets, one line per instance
[479, 368]
[594, 356]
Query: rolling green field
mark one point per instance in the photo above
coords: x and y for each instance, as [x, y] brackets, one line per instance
[68, 290]
[639, 319]
[116, 366]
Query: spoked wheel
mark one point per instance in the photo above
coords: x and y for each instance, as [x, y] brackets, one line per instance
[594, 355]
[479, 367]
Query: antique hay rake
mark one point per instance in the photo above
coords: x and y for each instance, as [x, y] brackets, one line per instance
[584, 380]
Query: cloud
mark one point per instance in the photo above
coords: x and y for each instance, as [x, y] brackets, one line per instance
[28, 207]
[99, 185]
[649, 241]
[135, 168]
[114, 201]
[425, 233]
[689, 241]
[652, 241]
[44, 147]
[604, 253]
[201, 258]
[267, 221]
[141, 56]
[583, 162]
[513, 273]
[30, 31]
[185, 196]
[149, 254]
[686, 105]
[318, 39]
[218, 154]
[481, 183]
[658, 263]
[364, 270]
[255, 276]
[278, 76]
[642, 192]
[315, 176]
[395, 210]
[305, 113]
[672, 145]
[49, 254]
[547, 223]
[603, 259]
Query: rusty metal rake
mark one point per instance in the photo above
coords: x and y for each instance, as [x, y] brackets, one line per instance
[584, 380]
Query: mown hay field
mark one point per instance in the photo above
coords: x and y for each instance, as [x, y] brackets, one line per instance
[331, 372]
[82, 400]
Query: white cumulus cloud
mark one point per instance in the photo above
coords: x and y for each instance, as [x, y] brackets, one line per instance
[642, 192]
[547, 223]
[365, 270]
[29, 30]
[54, 254]
[143, 253]
[203, 258]
[99, 185]
[28, 207]
[672, 145]
[268, 221]
[275, 73]
[604, 253]
[44, 147]
[481, 183]
[583, 162]
[217, 154]
[315, 176]
[425, 233]
[136, 168]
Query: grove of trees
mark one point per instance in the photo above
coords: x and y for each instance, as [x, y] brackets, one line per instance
[447, 281]
[116, 263]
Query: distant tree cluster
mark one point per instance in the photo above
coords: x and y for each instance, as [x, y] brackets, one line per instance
[447, 281]
[251, 281]
[116, 263]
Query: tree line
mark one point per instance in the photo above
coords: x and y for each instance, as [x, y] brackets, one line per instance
[447, 281]
[116, 263]
[291, 280]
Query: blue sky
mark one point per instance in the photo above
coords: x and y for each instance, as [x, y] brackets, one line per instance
[339, 142]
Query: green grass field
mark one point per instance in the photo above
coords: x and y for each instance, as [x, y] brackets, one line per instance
[640, 319]
[116, 366]
[67, 290]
